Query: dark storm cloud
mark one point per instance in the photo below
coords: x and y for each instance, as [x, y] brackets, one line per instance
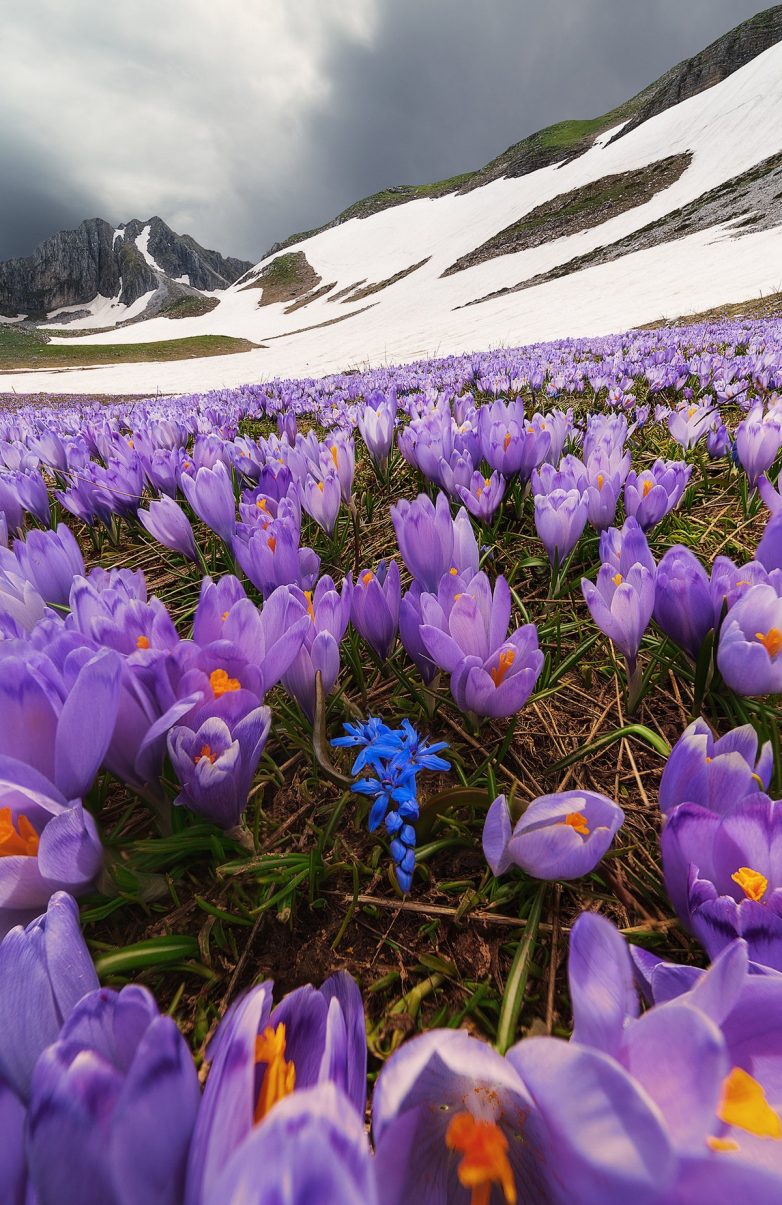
[243, 122]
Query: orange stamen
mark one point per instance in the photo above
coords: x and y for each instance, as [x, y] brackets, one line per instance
[279, 1079]
[221, 684]
[205, 754]
[485, 1162]
[142, 642]
[367, 577]
[507, 657]
[771, 641]
[272, 543]
[600, 480]
[648, 485]
[18, 839]
[310, 608]
[744, 1105]
[578, 821]
[752, 883]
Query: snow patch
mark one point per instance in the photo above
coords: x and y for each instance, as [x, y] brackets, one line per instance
[183, 280]
[142, 242]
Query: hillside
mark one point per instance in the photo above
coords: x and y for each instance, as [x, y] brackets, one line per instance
[671, 205]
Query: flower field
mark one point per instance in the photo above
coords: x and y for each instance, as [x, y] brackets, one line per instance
[388, 768]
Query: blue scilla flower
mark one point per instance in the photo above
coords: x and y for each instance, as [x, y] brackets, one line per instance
[361, 734]
[393, 758]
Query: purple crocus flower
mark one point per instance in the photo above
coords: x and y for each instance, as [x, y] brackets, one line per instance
[45, 970]
[730, 582]
[559, 836]
[313, 1148]
[260, 1055]
[50, 560]
[758, 440]
[482, 495]
[374, 607]
[410, 622]
[626, 546]
[375, 421]
[715, 773]
[683, 605]
[271, 557]
[650, 495]
[169, 525]
[114, 1100]
[329, 612]
[621, 605]
[769, 550]
[321, 498]
[47, 844]
[771, 496]
[560, 518]
[749, 656]
[43, 708]
[674, 1106]
[723, 873]
[210, 493]
[14, 1187]
[425, 535]
[450, 1117]
[718, 441]
[465, 630]
[510, 443]
[216, 764]
[602, 496]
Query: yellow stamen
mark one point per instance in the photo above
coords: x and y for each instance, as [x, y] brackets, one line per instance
[617, 579]
[224, 616]
[600, 480]
[752, 883]
[221, 684]
[17, 839]
[130, 443]
[771, 641]
[310, 608]
[142, 642]
[744, 1105]
[484, 1162]
[205, 754]
[648, 485]
[741, 583]
[261, 503]
[722, 1144]
[334, 456]
[578, 821]
[507, 657]
[758, 780]
[506, 441]
[279, 1079]
[454, 572]
[320, 486]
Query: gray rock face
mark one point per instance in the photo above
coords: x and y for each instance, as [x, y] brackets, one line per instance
[74, 266]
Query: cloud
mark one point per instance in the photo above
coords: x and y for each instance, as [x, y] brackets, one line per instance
[242, 122]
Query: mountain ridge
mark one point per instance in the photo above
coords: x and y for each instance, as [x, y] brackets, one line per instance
[73, 268]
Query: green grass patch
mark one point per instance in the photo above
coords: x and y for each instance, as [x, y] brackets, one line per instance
[22, 350]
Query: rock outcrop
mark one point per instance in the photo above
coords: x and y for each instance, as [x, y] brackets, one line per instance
[74, 267]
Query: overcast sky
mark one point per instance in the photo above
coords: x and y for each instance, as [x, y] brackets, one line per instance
[243, 121]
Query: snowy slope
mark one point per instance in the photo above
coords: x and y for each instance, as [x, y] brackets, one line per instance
[727, 129]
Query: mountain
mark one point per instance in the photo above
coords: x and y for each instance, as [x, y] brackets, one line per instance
[96, 263]
[669, 205]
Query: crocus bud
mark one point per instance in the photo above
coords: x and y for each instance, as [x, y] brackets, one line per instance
[559, 836]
